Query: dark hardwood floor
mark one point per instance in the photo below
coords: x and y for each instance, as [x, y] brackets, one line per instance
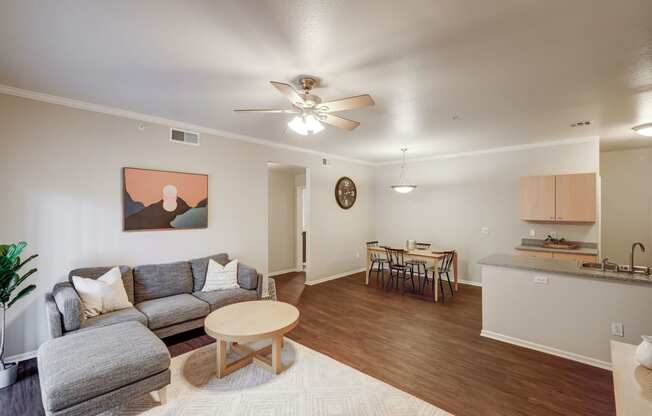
[433, 351]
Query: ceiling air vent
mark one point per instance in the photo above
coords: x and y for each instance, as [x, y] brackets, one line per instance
[183, 136]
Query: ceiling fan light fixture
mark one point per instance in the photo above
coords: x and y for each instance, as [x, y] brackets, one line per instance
[305, 124]
[403, 187]
[313, 114]
[643, 129]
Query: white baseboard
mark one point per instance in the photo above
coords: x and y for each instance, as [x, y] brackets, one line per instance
[548, 350]
[335, 276]
[280, 272]
[21, 357]
[469, 282]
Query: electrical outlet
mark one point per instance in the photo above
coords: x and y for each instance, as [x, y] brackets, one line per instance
[484, 230]
[617, 329]
[357, 255]
[543, 280]
[532, 232]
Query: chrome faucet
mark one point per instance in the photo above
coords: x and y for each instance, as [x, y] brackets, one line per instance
[631, 257]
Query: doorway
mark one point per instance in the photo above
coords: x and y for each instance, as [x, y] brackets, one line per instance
[288, 209]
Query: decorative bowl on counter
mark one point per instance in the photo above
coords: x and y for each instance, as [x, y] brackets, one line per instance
[559, 243]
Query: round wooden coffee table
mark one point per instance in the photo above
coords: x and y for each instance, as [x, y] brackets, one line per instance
[248, 322]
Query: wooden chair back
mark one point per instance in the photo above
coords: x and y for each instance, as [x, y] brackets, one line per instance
[446, 262]
[395, 257]
[374, 256]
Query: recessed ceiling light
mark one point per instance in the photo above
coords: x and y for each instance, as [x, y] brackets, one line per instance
[643, 129]
[582, 123]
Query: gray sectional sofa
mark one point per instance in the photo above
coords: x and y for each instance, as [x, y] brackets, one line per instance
[167, 298]
[85, 368]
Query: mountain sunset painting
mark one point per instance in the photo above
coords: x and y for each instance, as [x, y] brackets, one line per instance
[162, 200]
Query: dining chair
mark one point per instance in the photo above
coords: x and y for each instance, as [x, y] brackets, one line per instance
[416, 264]
[444, 268]
[398, 268]
[379, 261]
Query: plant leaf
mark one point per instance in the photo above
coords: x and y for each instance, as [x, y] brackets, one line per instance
[5, 263]
[6, 278]
[15, 250]
[21, 294]
[10, 280]
[18, 280]
[19, 265]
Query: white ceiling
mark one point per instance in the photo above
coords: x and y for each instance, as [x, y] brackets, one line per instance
[514, 71]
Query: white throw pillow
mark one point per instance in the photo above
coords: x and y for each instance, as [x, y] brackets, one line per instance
[220, 277]
[102, 295]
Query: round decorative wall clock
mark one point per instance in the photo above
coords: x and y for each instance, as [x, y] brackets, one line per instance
[345, 192]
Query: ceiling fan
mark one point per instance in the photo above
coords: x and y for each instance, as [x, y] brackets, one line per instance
[311, 110]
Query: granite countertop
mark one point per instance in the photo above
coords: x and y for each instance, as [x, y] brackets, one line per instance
[571, 267]
[533, 244]
[579, 250]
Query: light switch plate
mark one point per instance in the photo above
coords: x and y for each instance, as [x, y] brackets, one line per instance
[484, 230]
[617, 329]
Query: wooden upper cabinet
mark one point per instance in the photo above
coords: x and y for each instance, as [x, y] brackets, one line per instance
[561, 198]
[538, 198]
[575, 197]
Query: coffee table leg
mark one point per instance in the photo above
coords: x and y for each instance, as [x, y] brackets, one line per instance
[277, 347]
[221, 358]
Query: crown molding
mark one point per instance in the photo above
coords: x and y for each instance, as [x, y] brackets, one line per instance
[97, 108]
[503, 149]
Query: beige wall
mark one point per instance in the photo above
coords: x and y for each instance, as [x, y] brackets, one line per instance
[61, 181]
[458, 196]
[626, 204]
[282, 216]
[571, 314]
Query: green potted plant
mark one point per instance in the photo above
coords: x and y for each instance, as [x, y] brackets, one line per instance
[10, 279]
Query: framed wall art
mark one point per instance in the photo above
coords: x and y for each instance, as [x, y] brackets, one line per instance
[164, 200]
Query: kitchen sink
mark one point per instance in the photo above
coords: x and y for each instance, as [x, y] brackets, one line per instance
[611, 267]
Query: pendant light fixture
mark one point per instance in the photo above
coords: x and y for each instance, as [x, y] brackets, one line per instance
[403, 187]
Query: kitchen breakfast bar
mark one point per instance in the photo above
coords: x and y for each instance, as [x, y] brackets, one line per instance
[559, 307]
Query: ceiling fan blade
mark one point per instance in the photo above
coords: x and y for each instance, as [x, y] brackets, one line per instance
[289, 92]
[265, 110]
[337, 121]
[346, 104]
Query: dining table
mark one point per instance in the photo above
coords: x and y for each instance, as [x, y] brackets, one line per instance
[430, 255]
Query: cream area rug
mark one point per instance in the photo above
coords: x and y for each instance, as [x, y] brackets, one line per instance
[312, 384]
